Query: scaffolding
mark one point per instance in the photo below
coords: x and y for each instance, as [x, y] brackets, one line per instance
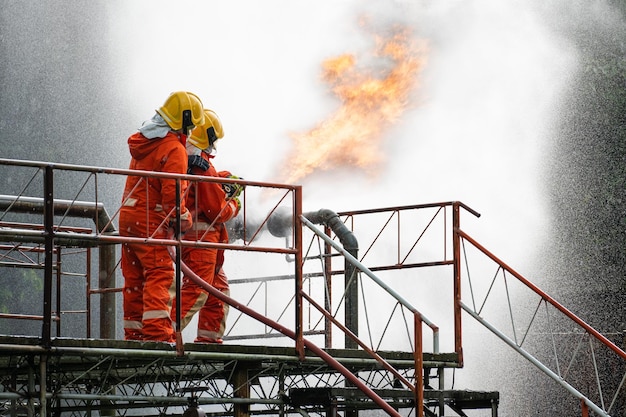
[282, 354]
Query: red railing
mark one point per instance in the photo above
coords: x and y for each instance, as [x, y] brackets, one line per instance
[577, 384]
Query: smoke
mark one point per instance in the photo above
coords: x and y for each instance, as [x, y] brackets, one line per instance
[477, 120]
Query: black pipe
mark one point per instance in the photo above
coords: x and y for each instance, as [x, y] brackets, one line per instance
[280, 224]
[48, 223]
[351, 278]
[331, 219]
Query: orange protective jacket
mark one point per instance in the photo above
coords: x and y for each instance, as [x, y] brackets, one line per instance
[210, 209]
[159, 197]
[207, 200]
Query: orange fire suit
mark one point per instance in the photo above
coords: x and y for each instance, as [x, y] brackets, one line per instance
[210, 209]
[214, 312]
[148, 270]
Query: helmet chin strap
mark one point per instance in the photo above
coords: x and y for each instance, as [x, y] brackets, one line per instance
[210, 151]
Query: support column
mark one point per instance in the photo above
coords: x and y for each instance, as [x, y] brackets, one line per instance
[241, 388]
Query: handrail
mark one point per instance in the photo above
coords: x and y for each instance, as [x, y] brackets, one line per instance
[416, 206]
[108, 238]
[289, 333]
[536, 362]
[449, 237]
[366, 348]
[601, 338]
[377, 280]
[586, 403]
[418, 389]
[138, 173]
[105, 234]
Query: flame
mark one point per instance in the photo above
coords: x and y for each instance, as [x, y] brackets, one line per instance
[370, 104]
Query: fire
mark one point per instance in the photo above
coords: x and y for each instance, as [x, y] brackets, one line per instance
[369, 105]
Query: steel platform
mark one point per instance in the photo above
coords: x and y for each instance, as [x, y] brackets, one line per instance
[79, 376]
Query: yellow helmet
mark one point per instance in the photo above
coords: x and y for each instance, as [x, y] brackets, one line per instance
[205, 135]
[182, 110]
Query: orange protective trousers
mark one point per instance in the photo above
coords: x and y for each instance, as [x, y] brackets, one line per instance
[147, 313]
[213, 314]
[194, 299]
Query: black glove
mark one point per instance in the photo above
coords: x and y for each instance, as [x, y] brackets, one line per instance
[233, 190]
[196, 161]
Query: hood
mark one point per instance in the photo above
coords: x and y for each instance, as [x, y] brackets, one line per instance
[155, 127]
[140, 146]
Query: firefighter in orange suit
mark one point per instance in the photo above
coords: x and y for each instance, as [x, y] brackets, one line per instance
[149, 210]
[211, 206]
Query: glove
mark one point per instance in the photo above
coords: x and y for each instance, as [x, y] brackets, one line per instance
[185, 222]
[196, 161]
[238, 202]
[233, 190]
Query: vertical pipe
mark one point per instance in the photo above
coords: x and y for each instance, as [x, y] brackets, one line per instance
[328, 294]
[333, 407]
[58, 293]
[241, 389]
[177, 232]
[351, 313]
[43, 387]
[351, 280]
[456, 247]
[30, 412]
[418, 356]
[351, 291]
[106, 280]
[281, 390]
[442, 386]
[88, 292]
[108, 319]
[13, 404]
[297, 230]
[48, 222]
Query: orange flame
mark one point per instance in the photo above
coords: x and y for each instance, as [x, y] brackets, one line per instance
[352, 135]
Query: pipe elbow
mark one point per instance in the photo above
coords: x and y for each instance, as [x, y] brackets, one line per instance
[332, 220]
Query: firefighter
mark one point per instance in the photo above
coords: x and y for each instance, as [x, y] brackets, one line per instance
[211, 205]
[149, 210]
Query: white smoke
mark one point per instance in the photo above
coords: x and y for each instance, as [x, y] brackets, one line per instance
[481, 132]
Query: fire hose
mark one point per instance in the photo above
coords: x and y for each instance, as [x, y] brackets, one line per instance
[278, 327]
